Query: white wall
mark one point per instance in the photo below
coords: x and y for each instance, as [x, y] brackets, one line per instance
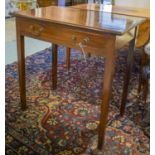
[134, 3]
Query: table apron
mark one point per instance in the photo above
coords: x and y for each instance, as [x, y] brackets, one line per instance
[69, 36]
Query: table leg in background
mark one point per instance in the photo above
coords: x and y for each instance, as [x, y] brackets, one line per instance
[21, 69]
[68, 53]
[127, 76]
[54, 66]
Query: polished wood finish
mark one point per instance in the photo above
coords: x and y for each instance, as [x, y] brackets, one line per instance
[51, 32]
[93, 21]
[73, 27]
[122, 10]
[143, 29]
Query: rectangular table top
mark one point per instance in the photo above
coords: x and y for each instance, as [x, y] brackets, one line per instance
[122, 10]
[84, 19]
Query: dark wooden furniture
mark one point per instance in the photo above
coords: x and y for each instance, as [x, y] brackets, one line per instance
[142, 37]
[100, 33]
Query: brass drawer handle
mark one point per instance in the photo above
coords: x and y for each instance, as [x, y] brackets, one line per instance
[84, 42]
[36, 30]
[74, 39]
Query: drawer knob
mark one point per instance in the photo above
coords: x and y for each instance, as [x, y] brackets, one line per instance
[36, 30]
[74, 39]
[85, 40]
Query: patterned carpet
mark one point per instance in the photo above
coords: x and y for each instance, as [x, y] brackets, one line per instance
[65, 122]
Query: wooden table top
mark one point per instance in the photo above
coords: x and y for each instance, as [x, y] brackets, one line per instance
[122, 10]
[84, 19]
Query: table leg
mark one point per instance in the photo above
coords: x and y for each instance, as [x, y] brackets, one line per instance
[54, 66]
[107, 88]
[68, 52]
[142, 63]
[21, 70]
[127, 76]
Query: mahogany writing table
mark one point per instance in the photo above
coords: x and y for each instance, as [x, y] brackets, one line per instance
[100, 33]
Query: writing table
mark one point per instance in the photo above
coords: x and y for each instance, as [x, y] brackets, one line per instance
[99, 33]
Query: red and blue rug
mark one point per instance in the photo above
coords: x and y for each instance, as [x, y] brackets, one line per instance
[65, 121]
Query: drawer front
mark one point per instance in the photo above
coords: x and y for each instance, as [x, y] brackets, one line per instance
[65, 35]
